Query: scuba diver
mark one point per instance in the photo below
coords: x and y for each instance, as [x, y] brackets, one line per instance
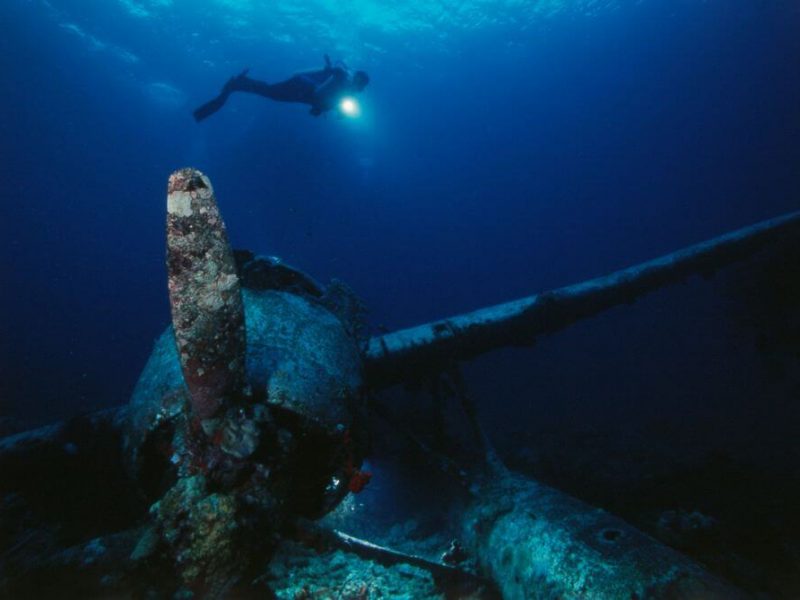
[321, 89]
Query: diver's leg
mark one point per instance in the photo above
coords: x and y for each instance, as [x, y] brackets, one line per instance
[294, 89]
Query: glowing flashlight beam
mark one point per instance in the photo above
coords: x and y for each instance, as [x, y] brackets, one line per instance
[349, 107]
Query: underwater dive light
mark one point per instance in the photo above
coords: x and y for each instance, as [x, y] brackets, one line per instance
[349, 107]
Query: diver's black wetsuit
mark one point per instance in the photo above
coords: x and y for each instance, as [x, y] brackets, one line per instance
[320, 89]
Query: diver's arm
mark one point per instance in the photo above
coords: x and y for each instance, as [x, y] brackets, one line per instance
[325, 88]
[321, 92]
[327, 92]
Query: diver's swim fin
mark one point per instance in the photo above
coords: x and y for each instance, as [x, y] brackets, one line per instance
[210, 107]
[239, 82]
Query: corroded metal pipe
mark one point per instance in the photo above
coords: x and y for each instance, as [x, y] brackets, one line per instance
[204, 293]
[537, 543]
[405, 354]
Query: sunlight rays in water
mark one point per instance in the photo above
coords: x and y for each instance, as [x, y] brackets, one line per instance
[347, 25]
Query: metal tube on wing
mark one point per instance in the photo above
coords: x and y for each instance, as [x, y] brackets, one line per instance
[406, 354]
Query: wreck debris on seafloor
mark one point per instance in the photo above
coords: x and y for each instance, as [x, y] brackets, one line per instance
[251, 418]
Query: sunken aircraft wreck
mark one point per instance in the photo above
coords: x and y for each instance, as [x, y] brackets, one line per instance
[251, 421]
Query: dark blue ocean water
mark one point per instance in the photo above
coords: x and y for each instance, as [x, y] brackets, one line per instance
[504, 148]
